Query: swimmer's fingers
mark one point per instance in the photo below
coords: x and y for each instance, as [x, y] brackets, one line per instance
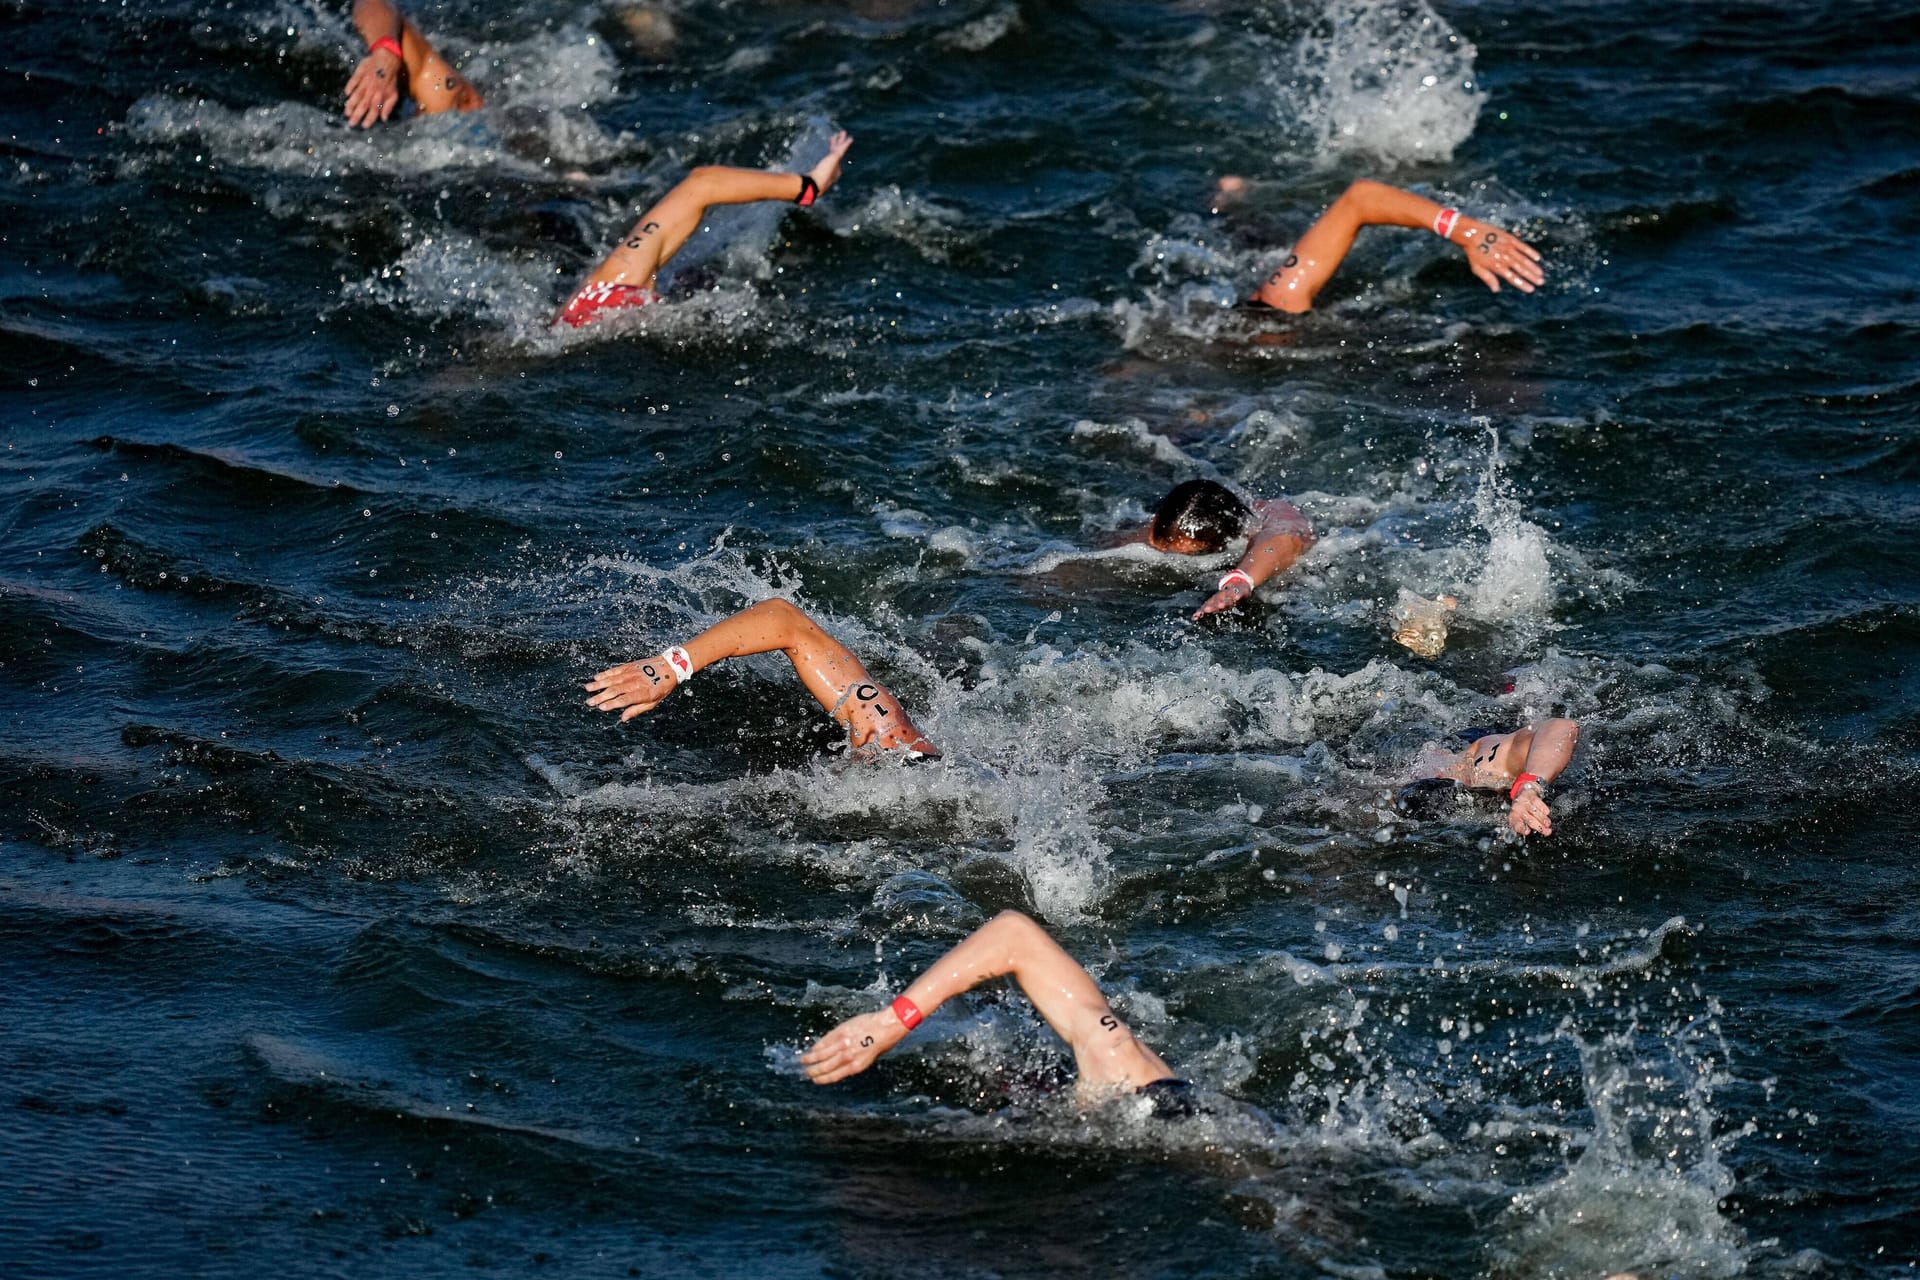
[1530, 816]
[1524, 248]
[633, 687]
[1223, 599]
[1495, 255]
[852, 1047]
[373, 90]
[1523, 269]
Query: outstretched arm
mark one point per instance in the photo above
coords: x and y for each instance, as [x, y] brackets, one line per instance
[1493, 254]
[827, 668]
[1550, 745]
[666, 226]
[1282, 537]
[1105, 1051]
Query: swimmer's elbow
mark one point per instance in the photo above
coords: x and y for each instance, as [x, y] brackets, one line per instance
[1362, 194]
[788, 622]
[788, 616]
[1012, 932]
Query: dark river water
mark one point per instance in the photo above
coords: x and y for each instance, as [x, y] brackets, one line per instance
[336, 933]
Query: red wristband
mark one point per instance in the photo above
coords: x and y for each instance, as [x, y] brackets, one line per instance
[391, 45]
[1443, 222]
[1520, 782]
[1235, 575]
[907, 1011]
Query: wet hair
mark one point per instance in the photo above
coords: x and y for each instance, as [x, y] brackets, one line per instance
[1427, 799]
[1203, 511]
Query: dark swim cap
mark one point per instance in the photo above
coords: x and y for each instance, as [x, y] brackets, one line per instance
[1427, 799]
[1203, 510]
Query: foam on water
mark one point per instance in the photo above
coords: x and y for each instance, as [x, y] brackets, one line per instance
[449, 276]
[1645, 1192]
[1389, 79]
[1515, 581]
[535, 124]
[889, 213]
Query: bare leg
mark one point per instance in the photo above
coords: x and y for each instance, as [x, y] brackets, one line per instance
[664, 228]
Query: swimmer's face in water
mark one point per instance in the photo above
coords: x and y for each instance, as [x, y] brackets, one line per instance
[1179, 544]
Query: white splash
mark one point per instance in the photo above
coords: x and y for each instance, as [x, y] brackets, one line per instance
[1385, 78]
[1515, 581]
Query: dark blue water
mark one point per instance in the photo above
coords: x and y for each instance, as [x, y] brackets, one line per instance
[338, 934]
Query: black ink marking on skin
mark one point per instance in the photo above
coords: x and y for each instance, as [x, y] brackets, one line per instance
[634, 243]
[1486, 246]
[865, 692]
[1110, 1022]
[651, 673]
[649, 228]
[1293, 260]
[866, 1042]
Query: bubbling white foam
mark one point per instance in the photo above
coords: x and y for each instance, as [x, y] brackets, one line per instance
[451, 276]
[1646, 1191]
[1515, 582]
[1384, 78]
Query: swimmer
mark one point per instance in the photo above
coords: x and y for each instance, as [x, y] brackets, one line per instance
[1200, 517]
[874, 718]
[625, 277]
[396, 52]
[1522, 764]
[1493, 254]
[1108, 1057]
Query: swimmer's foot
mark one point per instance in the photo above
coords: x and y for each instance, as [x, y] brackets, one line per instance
[827, 172]
[1230, 190]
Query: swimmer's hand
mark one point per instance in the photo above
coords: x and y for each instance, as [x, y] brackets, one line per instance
[1495, 255]
[373, 90]
[852, 1047]
[1529, 815]
[1223, 599]
[632, 688]
[876, 720]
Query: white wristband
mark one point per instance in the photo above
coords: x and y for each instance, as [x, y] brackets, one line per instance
[1235, 575]
[680, 664]
[1443, 223]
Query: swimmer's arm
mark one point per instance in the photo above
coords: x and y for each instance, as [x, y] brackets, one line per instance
[1551, 746]
[1059, 988]
[1492, 254]
[373, 90]
[1282, 537]
[829, 670]
[825, 666]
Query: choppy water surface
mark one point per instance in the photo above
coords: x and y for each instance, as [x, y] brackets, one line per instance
[337, 931]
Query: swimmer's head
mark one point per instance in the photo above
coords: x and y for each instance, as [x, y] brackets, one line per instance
[1427, 799]
[1199, 517]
